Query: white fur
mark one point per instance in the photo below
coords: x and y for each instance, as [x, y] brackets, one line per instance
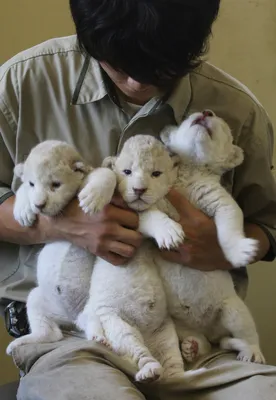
[205, 303]
[51, 175]
[127, 304]
[63, 269]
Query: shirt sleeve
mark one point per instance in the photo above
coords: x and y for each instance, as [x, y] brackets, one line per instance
[6, 162]
[254, 184]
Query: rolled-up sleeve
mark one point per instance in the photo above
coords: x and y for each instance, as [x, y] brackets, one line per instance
[254, 183]
[6, 162]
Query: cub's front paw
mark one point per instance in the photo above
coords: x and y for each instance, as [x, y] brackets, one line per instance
[98, 191]
[241, 252]
[170, 235]
[93, 199]
[24, 215]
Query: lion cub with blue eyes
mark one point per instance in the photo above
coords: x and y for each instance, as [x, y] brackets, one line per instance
[127, 305]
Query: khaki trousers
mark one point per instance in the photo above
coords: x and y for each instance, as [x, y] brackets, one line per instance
[77, 369]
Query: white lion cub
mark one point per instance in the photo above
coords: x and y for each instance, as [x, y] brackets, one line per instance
[206, 302]
[52, 175]
[127, 304]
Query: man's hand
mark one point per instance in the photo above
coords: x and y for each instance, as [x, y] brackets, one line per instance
[200, 249]
[110, 234]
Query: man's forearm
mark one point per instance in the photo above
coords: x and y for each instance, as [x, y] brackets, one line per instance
[256, 232]
[11, 231]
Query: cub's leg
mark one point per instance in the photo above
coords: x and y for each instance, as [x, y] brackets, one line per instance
[193, 344]
[236, 318]
[164, 344]
[127, 340]
[44, 328]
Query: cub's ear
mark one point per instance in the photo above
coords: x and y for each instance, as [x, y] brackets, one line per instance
[109, 162]
[19, 170]
[80, 166]
[166, 134]
[176, 159]
[236, 157]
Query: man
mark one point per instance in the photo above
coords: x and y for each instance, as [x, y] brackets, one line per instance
[138, 70]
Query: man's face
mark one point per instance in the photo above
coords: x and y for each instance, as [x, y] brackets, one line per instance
[135, 92]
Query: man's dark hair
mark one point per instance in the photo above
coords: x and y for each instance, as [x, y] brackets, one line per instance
[152, 41]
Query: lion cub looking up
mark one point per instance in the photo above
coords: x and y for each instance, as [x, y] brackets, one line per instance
[205, 304]
[51, 176]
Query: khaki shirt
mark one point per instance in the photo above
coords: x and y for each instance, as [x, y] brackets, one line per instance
[53, 91]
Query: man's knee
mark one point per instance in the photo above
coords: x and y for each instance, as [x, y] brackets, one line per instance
[73, 369]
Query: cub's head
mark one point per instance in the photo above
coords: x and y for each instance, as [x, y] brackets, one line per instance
[204, 138]
[145, 171]
[52, 173]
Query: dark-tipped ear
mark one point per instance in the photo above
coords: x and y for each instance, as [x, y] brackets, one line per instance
[19, 170]
[80, 166]
[166, 133]
[176, 159]
[109, 162]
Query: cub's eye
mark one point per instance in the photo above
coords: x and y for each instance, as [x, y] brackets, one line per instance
[55, 185]
[31, 184]
[127, 171]
[156, 173]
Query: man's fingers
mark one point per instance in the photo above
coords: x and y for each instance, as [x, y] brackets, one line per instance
[123, 217]
[118, 201]
[128, 219]
[180, 256]
[122, 249]
[172, 256]
[129, 236]
[181, 204]
[115, 259]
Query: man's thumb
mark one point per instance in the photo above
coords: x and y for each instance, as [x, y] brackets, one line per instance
[180, 203]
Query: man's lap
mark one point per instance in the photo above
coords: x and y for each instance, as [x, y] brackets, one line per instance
[76, 368]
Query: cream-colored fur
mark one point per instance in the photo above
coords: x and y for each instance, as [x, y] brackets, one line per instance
[57, 173]
[51, 175]
[205, 304]
[127, 304]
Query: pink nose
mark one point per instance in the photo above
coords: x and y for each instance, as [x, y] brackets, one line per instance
[139, 191]
[208, 113]
[40, 206]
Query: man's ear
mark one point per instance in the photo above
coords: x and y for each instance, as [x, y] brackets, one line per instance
[80, 166]
[19, 170]
[166, 133]
[109, 162]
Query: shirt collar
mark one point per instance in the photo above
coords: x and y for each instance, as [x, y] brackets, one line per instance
[180, 98]
[92, 86]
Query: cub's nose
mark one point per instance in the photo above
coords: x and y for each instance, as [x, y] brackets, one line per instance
[40, 206]
[139, 191]
[208, 113]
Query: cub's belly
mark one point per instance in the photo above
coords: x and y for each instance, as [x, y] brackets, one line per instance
[134, 292]
[195, 298]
